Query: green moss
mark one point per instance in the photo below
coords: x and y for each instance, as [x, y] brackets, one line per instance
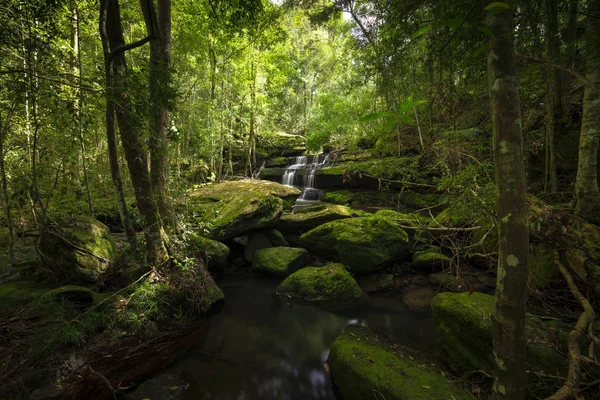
[331, 282]
[272, 172]
[79, 250]
[276, 162]
[216, 253]
[388, 282]
[430, 261]
[307, 218]
[340, 196]
[365, 244]
[212, 296]
[463, 320]
[13, 294]
[366, 366]
[230, 209]
[542, 268]
[280, 261]
[448, 281]
[76, 294]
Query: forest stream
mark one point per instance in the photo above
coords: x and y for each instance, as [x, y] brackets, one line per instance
[263, 347]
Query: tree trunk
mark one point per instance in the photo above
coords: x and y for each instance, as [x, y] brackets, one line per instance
[76, 69]
[571, 40]
[158, 26]
[113, 155]
[508, 316]
[134, 154]
[5, 198]
[553, 95]
[586, 185]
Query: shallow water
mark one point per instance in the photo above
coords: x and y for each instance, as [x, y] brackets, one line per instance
[262, 347]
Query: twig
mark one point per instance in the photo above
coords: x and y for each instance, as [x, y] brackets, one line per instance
[576, 74]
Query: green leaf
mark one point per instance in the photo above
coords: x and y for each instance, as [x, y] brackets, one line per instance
[455, 23]
[497, 7]
[480, 51]
[421, 31]
[486, 31]
[391, 123]
[374, 116]
[406, 105]
[407, 119]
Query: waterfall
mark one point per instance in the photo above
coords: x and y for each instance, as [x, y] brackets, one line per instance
[309, 165]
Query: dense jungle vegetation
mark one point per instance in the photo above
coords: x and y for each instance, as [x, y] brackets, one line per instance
[434, 160]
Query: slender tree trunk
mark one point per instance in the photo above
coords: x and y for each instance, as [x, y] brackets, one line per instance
[553, 95]
[586, 185]
[77, 71]
[158, 25]
[134, 154]
[113, 155]
[222, 131]
[571, 40]
[5, 197]
[508, 316]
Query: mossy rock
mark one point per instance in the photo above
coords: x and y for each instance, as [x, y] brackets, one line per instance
[430, 262]
[418, 300]
[272, 172]
[463, 320]
[366, 366]
[75, 294]
[19, 292]
[79, 251]
[280, 261]
[306, 218]
[212, 296]
[448, 281]
[415, 221]
[261, 240]
[216, 253]
[330, 282]
[364, 244]
[276, 162]
[229, 209]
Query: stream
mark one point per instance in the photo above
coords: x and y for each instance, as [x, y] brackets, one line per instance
[262, 347]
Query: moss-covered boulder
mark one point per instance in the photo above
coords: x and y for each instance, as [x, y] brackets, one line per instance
[364, 244]
[306, 218]
[280, 261]
[212, 296]
[330, 282]
[75, 294]
[79, 251]
[365, 366]
[448, 281]
[215, 253]
[464, 322]
[430, 262]
[261, 240]
[235, 208]
[418, 300]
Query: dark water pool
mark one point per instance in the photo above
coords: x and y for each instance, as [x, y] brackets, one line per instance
[262, 347]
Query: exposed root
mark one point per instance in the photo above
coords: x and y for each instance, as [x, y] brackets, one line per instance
[572, 386]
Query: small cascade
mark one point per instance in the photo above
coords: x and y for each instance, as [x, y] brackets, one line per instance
[310, 164]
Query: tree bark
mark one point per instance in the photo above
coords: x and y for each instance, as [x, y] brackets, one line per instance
[571, 41]
[134, 154]
[508, 316]
[5, 198]
[586, 184]
[158, 26]
[110, 133]
[553, 95]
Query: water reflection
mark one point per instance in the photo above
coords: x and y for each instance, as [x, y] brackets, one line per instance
[262, 347]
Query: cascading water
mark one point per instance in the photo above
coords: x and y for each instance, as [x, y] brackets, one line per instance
[309, 165]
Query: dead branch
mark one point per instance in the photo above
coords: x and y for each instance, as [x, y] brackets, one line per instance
[572, 386]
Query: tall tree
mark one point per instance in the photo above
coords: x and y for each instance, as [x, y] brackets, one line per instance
[553, 94]
[158, 26]
[586, 185]
[134, 154]
[508, 316]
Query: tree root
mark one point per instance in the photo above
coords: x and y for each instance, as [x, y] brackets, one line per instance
[572, 386]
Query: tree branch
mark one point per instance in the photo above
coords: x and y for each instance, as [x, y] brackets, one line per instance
[576, 74]
[130, 46]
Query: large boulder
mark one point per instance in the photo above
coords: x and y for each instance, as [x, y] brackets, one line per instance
[430, 261]
[235, 208]
[79, 251]
[306, 218]
[364, 244]
[261, 240]
[330, 282]
[215, 253]
[464, 322]
[280, 261]
[365, 365]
